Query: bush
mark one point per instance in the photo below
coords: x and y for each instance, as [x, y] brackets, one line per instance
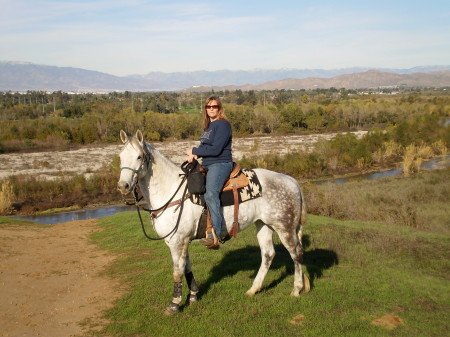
[419, 201]
[348, 149]
[7, 197]
[31, 194]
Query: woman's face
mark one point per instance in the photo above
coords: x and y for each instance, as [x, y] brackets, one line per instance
[212, 109]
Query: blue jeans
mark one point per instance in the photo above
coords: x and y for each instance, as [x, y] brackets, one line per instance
[215, 179]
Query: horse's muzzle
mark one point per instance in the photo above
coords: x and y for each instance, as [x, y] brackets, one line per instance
[124, 187]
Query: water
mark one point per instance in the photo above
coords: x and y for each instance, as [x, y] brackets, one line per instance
[426, 165]
[82, 214]
[367, 176]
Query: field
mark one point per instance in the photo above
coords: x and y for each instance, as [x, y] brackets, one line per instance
[368, 278]
[385, 272]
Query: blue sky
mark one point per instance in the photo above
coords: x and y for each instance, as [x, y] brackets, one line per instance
[124, 37]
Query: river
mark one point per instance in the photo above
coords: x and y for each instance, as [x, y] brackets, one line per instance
[99, 212]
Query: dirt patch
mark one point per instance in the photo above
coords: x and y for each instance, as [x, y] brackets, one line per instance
[297, 320]
[388, 321]
[51, 282]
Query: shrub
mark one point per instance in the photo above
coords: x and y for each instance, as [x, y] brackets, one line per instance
[440, 148]
[419, 201]
[408, 160]
[7, 197]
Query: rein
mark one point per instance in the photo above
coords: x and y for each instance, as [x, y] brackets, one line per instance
[174, 230]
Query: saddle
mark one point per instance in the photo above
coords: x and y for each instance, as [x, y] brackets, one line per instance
[242, 185]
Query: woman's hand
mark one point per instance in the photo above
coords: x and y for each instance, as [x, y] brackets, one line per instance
[190, 155]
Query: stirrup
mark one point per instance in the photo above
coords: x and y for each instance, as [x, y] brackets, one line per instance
[215, 244]
[210, 243]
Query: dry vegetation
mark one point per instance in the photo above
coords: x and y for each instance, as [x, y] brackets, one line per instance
[421, 201]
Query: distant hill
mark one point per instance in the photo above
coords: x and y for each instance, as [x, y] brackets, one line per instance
[260, 76]
[367, 79]
[28, 76]
[19, 76]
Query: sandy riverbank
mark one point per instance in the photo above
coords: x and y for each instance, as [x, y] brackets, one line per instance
[90, 159]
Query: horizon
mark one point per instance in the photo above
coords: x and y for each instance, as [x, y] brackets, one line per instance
[135, 37]
[358, 68]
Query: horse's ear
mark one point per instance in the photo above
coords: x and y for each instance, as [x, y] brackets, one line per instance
[123, 136]
[139, 136]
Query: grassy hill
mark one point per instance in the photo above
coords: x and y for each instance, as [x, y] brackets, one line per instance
[368, 279]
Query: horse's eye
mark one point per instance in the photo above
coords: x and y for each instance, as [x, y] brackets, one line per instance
[140, 157]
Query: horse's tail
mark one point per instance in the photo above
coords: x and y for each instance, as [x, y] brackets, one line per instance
[303, 210]
[302, 216]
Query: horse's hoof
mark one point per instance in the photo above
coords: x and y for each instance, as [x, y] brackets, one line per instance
[295, 293]
[191, 299]
[250, 293]
[171, 309]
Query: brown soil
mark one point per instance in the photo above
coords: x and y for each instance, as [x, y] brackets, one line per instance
[51, 280]
[388, 321]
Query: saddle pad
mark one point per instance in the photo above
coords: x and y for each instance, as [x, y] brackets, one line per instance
[252, 191]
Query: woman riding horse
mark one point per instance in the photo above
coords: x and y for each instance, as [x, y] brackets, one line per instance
[215, 150]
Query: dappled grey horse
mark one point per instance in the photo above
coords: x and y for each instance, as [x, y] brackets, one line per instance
[281, 209]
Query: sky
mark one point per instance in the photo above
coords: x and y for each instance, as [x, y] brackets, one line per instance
[124, 37]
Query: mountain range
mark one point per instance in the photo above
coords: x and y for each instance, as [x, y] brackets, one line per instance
[19, 76]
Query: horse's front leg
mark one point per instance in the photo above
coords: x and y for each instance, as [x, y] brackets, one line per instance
[179, 251]
[190, 280]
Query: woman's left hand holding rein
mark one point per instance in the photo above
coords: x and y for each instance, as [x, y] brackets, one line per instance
[190, 155]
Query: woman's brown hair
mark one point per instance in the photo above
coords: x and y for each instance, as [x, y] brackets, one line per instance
[221, 115]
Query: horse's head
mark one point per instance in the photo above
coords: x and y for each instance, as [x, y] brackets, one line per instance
[134, 160]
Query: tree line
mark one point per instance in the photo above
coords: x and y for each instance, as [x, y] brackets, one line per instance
[41, 120]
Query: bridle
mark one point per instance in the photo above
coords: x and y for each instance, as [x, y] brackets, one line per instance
[145, 162]
[158, 211]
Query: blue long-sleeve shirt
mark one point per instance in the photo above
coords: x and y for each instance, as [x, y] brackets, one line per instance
[215, 143]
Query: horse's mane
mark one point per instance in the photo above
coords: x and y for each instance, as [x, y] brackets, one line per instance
[155, 154]
[135, 144]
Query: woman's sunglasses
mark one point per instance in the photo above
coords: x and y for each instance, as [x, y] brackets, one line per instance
[211, 107]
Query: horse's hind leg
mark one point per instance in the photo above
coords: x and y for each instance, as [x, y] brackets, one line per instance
[265, 239]
[292, 243]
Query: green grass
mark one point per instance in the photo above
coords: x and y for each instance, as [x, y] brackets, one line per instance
[12, 221]
[59, 209]
[359, 272]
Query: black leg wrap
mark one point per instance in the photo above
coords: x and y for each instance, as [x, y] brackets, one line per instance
[172, 308]
[177, 287]
[191, 298]
[193, 286]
